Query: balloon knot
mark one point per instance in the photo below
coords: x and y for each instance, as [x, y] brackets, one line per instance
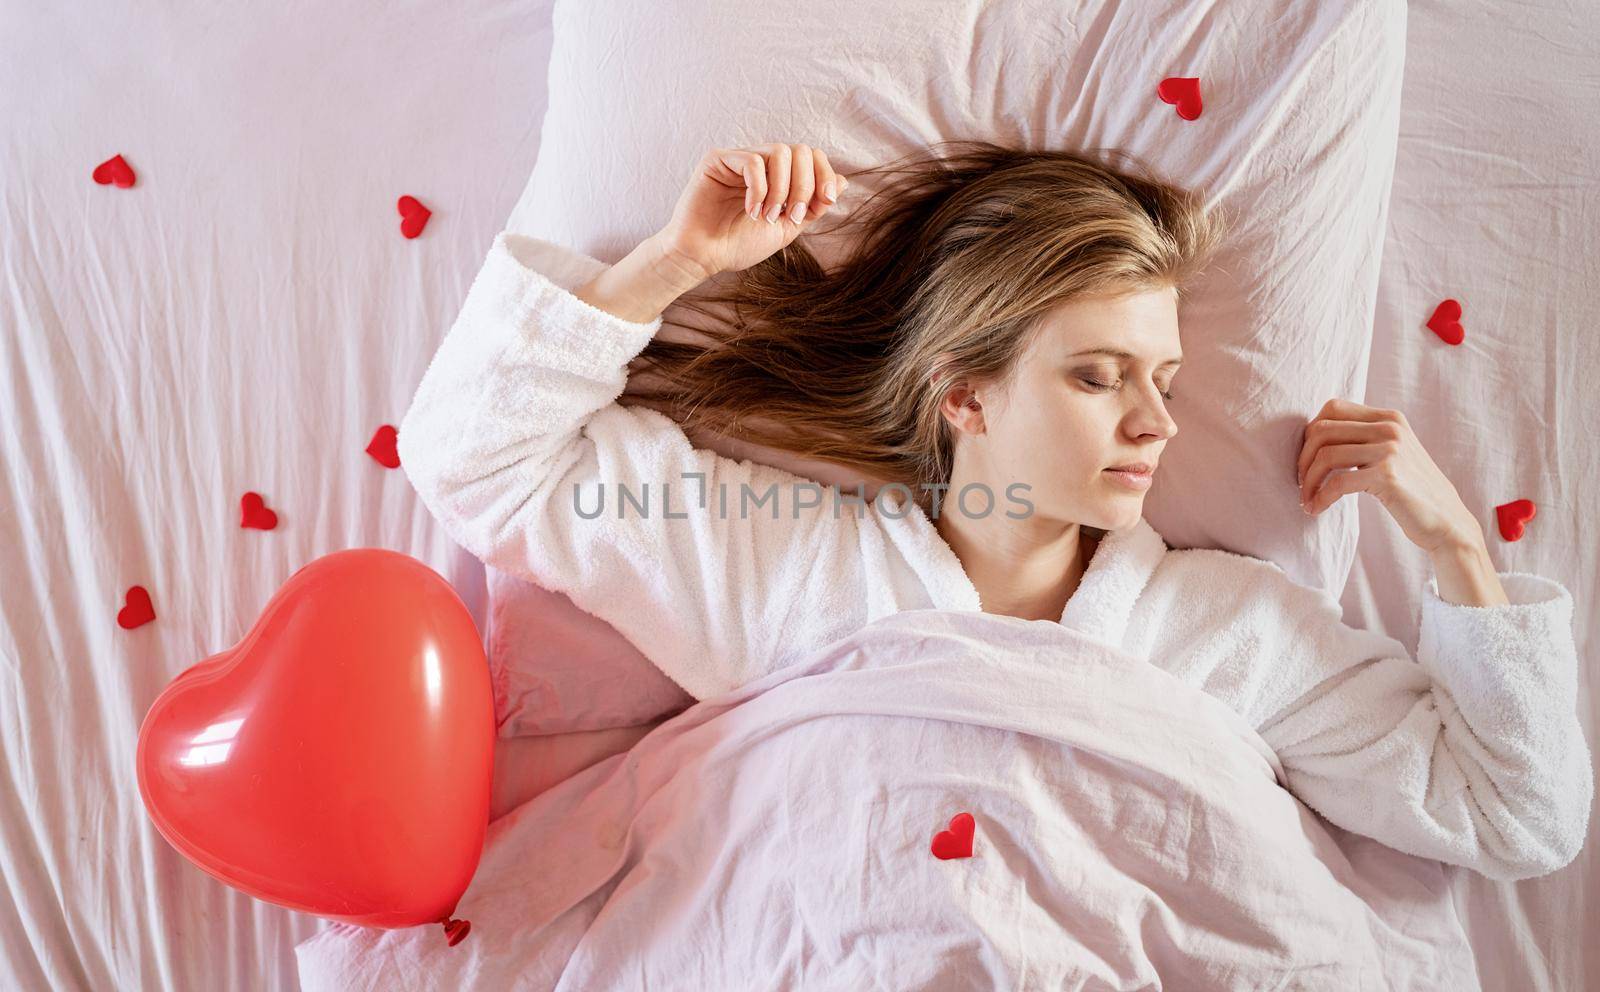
[455, 931]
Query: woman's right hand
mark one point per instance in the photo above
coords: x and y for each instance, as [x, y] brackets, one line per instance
[720, 223]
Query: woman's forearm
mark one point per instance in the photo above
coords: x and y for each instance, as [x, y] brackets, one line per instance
[641, 285]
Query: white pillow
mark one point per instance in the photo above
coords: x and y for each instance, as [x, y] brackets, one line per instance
[1296, 142]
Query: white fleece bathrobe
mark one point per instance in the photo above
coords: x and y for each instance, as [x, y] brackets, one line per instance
[1471, 753]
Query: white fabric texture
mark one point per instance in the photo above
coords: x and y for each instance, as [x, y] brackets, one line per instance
[1130, 833]
[1472, 753]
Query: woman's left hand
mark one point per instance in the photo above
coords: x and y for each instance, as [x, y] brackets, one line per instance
[1386, 460]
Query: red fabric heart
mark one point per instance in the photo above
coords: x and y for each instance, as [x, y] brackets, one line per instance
[413, 216]
[1514, 516]
[138, 610]
[253, 512]
[385, 446]
[1184, 93]
[455, 931]
[114, 170]
[957, 841]
[1446, 322]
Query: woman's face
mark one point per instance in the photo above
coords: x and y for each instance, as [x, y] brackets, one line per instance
[1070, 412]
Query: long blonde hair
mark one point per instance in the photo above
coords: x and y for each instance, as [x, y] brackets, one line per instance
[958, 258]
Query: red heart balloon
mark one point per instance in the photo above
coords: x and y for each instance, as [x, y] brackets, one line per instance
[338, 759]
[1446, 322]
[1184, 93]
[1514, 516]
[957, 841]
[413, 216]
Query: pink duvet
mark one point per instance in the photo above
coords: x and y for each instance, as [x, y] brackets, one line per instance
[1131, 833]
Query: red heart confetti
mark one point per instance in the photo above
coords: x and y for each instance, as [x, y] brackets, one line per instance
[138, 610]
[413, 216]
[1446, 322]
[114, 170]
[1514, 516]
[455, 931]
[385, 446]
[957, 841]
[253, 512]
[1182, 92]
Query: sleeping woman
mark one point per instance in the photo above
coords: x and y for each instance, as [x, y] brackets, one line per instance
[996, 355]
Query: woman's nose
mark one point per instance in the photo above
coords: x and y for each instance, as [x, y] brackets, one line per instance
[1152, 417]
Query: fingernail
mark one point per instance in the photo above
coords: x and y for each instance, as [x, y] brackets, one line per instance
[799, 212]
[828, 191]
[774, 213]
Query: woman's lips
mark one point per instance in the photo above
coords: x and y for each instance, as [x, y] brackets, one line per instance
[1133, 480]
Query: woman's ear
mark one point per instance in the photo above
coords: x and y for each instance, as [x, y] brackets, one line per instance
[962, 408]
[959, 402]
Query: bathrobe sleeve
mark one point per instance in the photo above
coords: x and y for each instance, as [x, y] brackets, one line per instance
[1472, 753]
[514, 438]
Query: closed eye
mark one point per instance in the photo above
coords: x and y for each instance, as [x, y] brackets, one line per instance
[1099, 386]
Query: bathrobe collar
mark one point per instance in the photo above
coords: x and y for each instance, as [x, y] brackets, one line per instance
[1113, 582]
[1116, 576]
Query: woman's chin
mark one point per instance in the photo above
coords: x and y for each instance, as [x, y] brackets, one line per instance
[1124, 513]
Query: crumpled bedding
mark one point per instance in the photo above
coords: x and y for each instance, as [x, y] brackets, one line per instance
[244, 316]
[1130, 830]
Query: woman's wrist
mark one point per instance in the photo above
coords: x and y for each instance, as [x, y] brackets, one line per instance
[641, 285]
[1466, 575]
[676, 267]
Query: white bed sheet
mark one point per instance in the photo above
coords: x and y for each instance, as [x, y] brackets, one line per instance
[1496, 204]
[247, 315]
[243, 318]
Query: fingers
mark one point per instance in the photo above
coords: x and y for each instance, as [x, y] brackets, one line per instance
[1343, 409]
[802, 184]
[1335, 444]
[1320, 433]
[756, 180]
[779, 165]
[790, 181]
[1361, 480]
[828, 184]
[1339, 456]
[753, 172]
